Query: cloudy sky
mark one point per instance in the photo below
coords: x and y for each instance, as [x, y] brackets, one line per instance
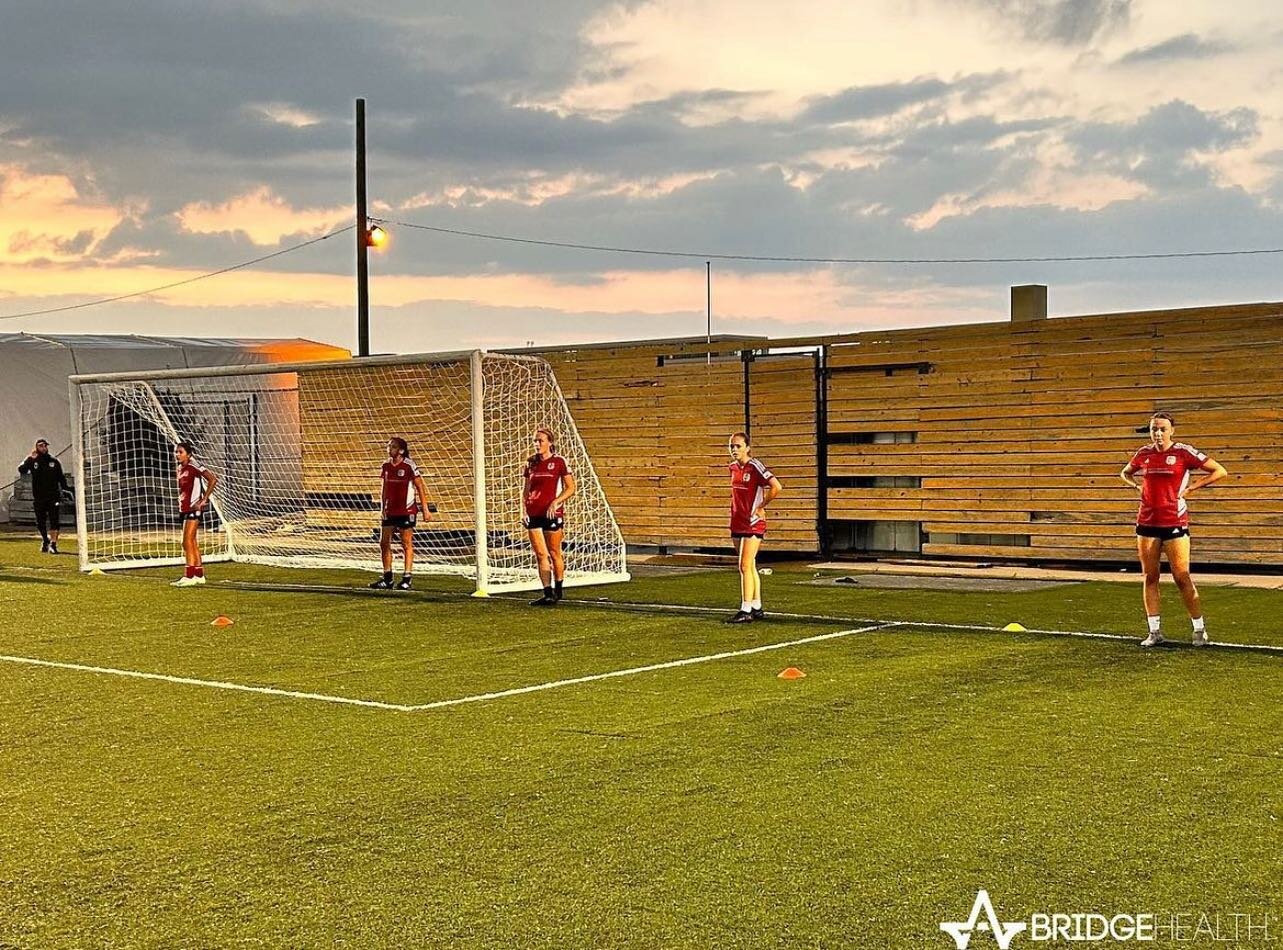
[143, 142]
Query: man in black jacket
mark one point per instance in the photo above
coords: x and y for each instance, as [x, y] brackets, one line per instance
[47, 485]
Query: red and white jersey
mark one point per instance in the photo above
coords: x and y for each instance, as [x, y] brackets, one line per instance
[191, 485]
[1165, 475]
[748, 487]
[399, 497]
[545, 478]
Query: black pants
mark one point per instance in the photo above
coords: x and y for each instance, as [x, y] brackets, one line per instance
[48, 516]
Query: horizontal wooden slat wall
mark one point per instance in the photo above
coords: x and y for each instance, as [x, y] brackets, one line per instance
[1022, 429]
[613, 396]
[701, 405]
[784, 436]
[657, 436]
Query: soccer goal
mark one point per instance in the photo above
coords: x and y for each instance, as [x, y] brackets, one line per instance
[298, 448]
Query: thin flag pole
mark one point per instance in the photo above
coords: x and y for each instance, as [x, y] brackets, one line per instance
[708, 309]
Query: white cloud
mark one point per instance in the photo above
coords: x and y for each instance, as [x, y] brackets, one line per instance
[261, 216]
[285, 114]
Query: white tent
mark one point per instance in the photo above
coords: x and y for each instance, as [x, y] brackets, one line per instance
[34, 400]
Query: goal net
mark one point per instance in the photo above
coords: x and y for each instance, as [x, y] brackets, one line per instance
[298, 450]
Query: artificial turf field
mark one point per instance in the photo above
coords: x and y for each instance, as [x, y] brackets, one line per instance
[706, 805]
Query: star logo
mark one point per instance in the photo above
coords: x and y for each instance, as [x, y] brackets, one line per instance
[1002, 932]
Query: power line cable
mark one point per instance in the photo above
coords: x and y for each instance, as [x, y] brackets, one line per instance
[765, 258]
[179, 283]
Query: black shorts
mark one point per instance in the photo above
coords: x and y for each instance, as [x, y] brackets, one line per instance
[1165, 534]
[544, 523]
[186, 516]
[404, 522]
[48, 512]
[750, 534]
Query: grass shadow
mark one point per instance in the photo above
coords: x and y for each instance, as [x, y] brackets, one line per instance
[6, 578]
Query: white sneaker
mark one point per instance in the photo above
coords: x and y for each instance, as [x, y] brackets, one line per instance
[187, 582]
[1153, 640]
[1200, 638]
[199, 579]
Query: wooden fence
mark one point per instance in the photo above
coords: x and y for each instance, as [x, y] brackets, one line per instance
[991, 440]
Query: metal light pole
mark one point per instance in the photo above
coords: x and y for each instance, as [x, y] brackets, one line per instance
[362, 241]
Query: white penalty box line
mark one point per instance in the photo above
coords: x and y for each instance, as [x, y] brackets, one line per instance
[924, 625]
[443, 703]
[661, 607]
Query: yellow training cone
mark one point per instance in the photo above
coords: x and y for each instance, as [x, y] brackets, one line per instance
[97, 572]
[1014, 627]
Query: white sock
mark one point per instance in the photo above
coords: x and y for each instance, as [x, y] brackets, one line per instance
[756, 604]
[1198, 624]
[745, 606]
[1153, 624]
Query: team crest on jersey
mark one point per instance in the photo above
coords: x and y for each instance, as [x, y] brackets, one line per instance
[551, 466]
[746, 476]
[400, 473]
[1171, 460]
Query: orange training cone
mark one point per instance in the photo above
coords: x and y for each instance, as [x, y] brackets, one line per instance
[221, 621]
[792, 673]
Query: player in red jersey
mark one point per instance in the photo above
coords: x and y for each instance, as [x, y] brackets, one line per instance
[195, 485]
[549, 482]
[1162, 524]
[753, 487]
[404, 498]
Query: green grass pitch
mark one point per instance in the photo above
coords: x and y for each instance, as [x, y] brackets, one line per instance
[711, 805]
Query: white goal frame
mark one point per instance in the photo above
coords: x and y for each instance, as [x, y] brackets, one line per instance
[496, 488]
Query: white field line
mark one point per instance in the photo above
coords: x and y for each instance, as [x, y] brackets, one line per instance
[210, 684]
[441, 703]
[671, 664]
[716, 611]
[925, 624]
[929, 625]
[708, 611]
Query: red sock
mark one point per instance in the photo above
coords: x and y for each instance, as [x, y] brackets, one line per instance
[200, 571]
[190, 571]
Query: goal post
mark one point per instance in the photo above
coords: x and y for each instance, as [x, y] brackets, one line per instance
[297, 449]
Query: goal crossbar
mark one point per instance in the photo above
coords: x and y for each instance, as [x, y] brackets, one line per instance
[266, 369]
